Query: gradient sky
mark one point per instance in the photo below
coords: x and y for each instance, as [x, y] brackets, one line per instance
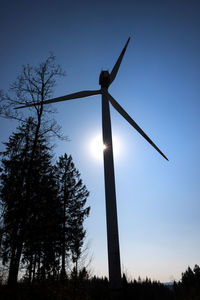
[158, 84]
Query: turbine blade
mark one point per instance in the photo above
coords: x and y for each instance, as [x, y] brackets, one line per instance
[117, 65]
[64, 98]
[124, 114]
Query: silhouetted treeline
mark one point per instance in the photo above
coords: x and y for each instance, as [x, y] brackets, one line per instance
[189, 286]
[83, 288]
[146, 289]
[80, 287]
[42, 209]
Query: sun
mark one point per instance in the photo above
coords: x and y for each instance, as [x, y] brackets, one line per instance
[97, 147]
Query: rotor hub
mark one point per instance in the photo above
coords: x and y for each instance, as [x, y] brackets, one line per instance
[104, 79]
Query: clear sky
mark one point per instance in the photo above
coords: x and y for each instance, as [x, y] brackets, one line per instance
[158, 84]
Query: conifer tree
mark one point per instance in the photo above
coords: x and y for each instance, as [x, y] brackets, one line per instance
[73, 195]
[13, 183]
[41, 251]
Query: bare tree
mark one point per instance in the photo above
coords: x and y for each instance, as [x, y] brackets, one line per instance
[33, 85]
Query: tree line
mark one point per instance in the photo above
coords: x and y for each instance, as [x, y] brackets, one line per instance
[94, 288]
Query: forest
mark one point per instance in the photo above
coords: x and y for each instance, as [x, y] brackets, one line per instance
[43, 206]
[81, 286]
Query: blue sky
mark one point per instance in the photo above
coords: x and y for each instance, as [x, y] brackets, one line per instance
[157, 84]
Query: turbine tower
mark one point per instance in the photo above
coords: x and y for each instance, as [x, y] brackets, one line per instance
[105, 81]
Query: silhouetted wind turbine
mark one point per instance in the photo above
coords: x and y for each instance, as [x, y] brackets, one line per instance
[105, 81]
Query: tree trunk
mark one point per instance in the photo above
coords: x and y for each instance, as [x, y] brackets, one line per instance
[34, 266]
[14, 265]
[30, 268]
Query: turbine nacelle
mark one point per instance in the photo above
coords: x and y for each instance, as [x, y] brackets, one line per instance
[104, 79]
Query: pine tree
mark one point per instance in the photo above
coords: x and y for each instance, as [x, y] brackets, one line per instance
[73, 195]
[13, 183]
[41, 251]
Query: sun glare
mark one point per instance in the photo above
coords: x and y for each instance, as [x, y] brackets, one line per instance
[97, 147]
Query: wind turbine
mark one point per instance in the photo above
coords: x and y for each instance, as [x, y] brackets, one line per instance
[105, 80]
